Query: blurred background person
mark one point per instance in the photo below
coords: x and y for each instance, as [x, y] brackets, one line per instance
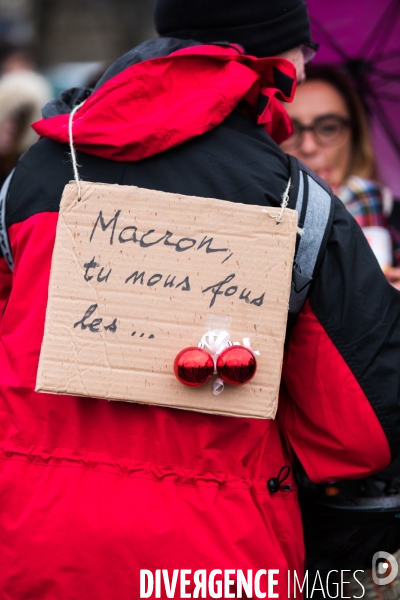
[40, 42]
[331, 136]
[22, 95]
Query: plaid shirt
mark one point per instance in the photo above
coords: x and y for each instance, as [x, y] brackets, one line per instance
[366, 201]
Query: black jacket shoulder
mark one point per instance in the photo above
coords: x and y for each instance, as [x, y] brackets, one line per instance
[237, 161]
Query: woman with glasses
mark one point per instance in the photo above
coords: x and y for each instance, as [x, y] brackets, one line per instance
[330, 130]
[331, 135]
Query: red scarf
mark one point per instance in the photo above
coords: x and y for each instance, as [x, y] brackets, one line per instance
[159, 103]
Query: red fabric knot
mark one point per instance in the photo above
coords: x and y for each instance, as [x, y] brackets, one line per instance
[192, 91]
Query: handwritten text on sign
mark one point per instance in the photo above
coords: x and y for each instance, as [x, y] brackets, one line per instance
[137, 275]
[146, 240]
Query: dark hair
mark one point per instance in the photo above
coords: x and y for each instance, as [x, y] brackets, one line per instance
[362, 161]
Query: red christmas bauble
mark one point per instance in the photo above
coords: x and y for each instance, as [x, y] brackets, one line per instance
[236, 365]
[194, 366]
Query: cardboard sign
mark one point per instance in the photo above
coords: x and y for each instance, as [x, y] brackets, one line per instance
[138, 275]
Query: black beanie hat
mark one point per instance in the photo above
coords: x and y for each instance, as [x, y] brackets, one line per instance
[262, 27]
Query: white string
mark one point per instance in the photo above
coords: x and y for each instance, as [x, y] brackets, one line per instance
[73, 152]
[215, 341]
[218, 386]
[285, 202]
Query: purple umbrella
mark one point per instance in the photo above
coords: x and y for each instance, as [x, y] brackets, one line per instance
[363, 36]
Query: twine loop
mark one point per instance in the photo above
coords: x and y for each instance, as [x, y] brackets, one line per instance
[285, 202]
[72, 149]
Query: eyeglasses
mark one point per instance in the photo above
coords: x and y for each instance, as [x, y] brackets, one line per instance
[309, 50]
[328, 130]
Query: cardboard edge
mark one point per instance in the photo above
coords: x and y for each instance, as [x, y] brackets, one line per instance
[42, 390]
[273, 211]
[64, 197]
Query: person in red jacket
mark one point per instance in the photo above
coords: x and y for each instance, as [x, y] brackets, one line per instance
[98, 498]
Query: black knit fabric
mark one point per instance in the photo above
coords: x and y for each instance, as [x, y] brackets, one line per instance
[262, 27]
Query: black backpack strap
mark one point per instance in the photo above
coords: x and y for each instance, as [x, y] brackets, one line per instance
[314, 203]
[4, 242]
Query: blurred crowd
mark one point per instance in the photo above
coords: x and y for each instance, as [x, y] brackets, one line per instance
[23, 92]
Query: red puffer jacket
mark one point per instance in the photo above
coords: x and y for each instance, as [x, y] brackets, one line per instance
[93, 492]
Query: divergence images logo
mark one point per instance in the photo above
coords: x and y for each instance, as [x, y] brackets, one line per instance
[384, 568]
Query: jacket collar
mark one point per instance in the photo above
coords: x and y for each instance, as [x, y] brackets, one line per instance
[148, 102]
